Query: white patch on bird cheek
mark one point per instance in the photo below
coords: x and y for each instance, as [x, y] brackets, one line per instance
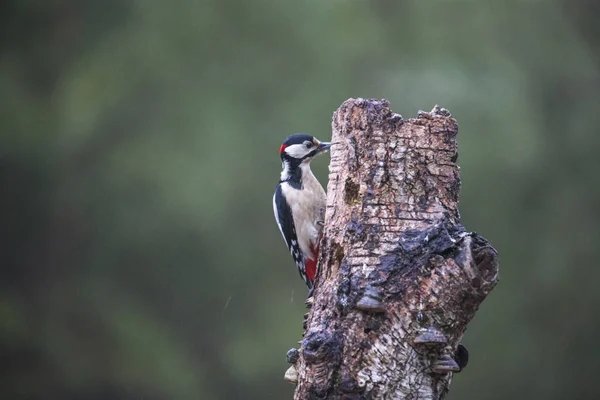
[297, 150]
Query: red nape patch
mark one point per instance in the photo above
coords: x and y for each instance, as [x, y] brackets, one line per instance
[311, 269]
[282, 148]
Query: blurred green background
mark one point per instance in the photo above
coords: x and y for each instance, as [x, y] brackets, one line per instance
[138, 155]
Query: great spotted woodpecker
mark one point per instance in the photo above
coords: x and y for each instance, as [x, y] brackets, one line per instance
[299, 202]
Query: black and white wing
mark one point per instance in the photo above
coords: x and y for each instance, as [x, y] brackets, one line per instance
[285, 221]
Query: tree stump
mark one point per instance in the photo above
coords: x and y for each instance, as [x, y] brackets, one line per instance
[399, 277]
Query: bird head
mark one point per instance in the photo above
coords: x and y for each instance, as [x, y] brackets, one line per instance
[301, 148]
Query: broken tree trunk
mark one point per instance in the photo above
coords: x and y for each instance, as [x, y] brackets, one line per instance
[399, 277]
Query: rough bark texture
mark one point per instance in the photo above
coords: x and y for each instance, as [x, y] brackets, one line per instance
[399, 277]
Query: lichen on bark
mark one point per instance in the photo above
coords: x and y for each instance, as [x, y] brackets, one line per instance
[399, 277]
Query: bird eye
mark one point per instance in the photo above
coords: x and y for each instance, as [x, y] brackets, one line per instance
[308, 144]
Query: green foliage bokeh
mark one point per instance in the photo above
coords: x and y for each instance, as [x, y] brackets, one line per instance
[138, 155]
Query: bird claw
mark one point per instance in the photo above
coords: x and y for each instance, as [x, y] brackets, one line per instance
[309, 301]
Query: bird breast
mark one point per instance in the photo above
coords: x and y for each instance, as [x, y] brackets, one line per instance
[308, 209]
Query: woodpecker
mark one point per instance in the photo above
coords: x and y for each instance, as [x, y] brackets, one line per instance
[299, 203]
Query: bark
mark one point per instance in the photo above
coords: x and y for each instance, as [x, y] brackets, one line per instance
[399, 277]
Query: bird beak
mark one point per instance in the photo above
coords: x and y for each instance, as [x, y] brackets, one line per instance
[323, 146]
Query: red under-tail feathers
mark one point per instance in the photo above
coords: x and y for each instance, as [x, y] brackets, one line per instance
[311, 265]
[311, 269]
